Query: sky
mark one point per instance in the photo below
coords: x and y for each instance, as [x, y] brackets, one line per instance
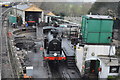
[80, 0]
[61, 0]
[51, 0]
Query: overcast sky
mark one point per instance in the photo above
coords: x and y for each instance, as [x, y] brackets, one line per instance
[62, 0]
[80, 0]
[51, 0]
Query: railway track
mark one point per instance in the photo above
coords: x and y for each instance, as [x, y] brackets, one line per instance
[7, 70]
[54, 68]
[59, 71]
[68, 74]
[53, 71]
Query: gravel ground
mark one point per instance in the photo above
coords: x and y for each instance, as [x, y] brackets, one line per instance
[6, 65]
[35, 59]
[73, 19]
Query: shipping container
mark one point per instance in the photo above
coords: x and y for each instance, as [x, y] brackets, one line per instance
[97, 29]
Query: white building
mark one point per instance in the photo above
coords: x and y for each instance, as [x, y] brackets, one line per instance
[48, 16]
[109, 65]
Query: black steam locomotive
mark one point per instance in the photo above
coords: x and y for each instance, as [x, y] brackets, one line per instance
[52, 46]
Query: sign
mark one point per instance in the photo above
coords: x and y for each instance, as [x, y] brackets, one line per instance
[114, 69]
[12, 19]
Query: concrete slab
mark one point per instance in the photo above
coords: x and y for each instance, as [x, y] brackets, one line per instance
[39, 71]
[36, 60]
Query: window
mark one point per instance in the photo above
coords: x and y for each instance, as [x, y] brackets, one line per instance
[114, 69]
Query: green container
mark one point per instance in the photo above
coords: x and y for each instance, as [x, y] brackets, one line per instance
[12, 19]
[93, 26]
[97, 29]
[106, 25]
[105, 37]
[98, 38]
[92, 38]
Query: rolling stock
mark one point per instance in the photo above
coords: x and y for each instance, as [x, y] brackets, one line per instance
[53, 46]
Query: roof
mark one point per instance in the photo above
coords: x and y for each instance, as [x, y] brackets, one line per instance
[106, 60]
[33, 8]
[98, 17]
[22, 6]
[45, 12]
[51, 14]
[26, 7]
[67, 48]
[48, 27]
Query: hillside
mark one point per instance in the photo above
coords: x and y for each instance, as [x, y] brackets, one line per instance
[66, 8]
[104, 8]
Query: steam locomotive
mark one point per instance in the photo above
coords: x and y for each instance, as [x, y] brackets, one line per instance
[53, 46]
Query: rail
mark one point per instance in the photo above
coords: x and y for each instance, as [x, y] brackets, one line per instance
[47, 69]
[4, 42]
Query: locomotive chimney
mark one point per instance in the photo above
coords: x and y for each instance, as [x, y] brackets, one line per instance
[55, 33]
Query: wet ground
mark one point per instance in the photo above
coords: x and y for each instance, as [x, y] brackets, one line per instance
[34, 54]
[29, 54]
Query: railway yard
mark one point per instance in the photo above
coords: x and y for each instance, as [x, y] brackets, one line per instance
[45, 46]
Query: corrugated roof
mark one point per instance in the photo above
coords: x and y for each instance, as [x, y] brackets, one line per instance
[26, 7]
[48, 27]
[106, 60]
[22, 6]
[99, 17]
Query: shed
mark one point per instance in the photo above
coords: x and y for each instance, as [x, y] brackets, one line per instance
[48, 16]
[29, 12]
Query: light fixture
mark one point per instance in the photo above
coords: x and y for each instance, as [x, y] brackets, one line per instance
[55, 54]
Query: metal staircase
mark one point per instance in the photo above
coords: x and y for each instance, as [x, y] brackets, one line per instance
[71, 62]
